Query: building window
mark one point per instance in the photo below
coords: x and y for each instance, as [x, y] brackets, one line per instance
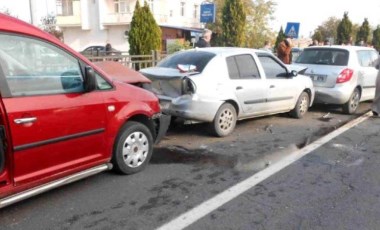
[151, 5]
[196, 11]
[182, 8]
[121, 6]
[64, 7]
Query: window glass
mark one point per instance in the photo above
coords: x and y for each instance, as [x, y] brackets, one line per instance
[247, 66]
[121, 6]
[232, 68]
[195, 14]
[272, 68]
[197, 58]
[242, 67]
[374, 56]
[101, 83]
[323, 56]
[365, 58]
[182, 8]
[33, 67]
[64, 7]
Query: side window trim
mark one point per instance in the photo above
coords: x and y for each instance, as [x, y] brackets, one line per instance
[264, 55]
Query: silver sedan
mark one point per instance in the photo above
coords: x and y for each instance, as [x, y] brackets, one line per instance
[222, 85]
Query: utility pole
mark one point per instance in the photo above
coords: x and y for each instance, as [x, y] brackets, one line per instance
[31, 12]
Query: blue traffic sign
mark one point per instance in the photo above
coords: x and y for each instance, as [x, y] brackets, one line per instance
[292, 29]
[207, 13]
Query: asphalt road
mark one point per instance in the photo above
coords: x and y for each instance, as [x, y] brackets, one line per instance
[324, 190]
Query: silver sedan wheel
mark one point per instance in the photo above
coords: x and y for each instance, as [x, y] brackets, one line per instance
[224, 121]
[135, 149]
[304, 104]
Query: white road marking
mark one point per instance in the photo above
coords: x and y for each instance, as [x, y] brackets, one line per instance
[217, 201]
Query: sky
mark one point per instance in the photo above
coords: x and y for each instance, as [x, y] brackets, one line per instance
[311, 14]
[20, 9]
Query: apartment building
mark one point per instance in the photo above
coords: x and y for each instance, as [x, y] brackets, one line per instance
[97, 22]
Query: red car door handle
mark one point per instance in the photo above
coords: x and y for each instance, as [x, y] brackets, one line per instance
[25, 120]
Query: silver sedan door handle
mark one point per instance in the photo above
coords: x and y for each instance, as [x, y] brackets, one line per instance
[239, 88]
[272, 86]
[25, 120]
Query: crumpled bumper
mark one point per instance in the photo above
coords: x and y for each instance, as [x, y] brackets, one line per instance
[162, 122]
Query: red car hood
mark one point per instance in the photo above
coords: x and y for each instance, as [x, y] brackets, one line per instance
[119, 72]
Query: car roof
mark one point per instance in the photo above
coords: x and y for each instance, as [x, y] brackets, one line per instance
[226, 51]
[348, 48]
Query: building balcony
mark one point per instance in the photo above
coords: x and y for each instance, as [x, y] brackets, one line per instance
[117, 19]
[180, 21]
[69, 21]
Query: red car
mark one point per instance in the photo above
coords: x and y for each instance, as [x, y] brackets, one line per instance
[62, 118]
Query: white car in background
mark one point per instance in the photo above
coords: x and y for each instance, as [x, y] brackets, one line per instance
[343, 75]
[221, 85]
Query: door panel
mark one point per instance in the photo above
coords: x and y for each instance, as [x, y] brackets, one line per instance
[250, 89]
[282, 89]
[67, 131]
[367, 73]
[54, 125]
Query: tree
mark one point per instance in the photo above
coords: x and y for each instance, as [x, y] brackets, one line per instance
[328, 30]
[376, 38]
[178, 45]
[280, 37]
[344, 30]
[257, 29]
[216, 27]
[233, 23]
[49, 24]
[259, 15]
[318, 36]
[354, 31]
[145, 34]
[364, 32]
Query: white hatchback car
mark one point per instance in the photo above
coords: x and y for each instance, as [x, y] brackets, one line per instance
[343, 75]
[221, 85]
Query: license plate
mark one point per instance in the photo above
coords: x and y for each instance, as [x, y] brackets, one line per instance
[319, 78]
[165, 105]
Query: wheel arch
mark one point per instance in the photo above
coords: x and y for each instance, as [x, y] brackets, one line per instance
[311, 96]
[235, 105]
[148, 122]
[359, 87]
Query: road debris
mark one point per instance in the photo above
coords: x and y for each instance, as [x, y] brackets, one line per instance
[327, 117]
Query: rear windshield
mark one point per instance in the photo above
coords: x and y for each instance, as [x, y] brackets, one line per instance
[197, 58]
[323, 57]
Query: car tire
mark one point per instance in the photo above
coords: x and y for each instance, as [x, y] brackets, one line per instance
[132, 149]
[302, 106]
[225, 120]
[353, 103]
